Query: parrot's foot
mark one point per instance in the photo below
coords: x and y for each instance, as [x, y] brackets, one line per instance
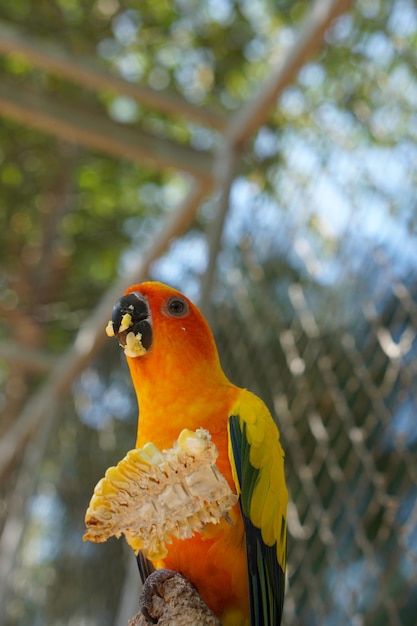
[153, 586]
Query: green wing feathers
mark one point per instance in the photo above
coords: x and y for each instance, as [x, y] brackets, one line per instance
[257, 460]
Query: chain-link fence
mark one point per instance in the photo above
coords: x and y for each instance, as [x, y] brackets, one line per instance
[336, 363]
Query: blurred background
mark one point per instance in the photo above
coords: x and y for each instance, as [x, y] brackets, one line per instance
[260, 156]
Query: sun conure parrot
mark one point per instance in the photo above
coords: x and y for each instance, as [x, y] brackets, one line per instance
[238, 565]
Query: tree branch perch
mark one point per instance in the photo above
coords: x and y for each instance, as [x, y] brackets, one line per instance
[171, 600]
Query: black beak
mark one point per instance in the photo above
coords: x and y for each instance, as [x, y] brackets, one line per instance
[131, 314]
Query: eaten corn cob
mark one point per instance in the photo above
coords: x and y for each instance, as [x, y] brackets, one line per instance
[152, 496]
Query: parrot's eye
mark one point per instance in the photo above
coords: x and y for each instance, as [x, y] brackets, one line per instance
[177, 307]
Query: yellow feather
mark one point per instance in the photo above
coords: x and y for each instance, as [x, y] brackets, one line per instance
[247, 409]
[255, 432]
[275, 479]
[281, 546]
[259, 455]
[268, 519]
[279, 522]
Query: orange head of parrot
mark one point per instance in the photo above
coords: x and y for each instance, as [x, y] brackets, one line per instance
[169, 346]
[163, 322]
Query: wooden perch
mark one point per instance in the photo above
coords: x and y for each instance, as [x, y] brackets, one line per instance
[169, 599]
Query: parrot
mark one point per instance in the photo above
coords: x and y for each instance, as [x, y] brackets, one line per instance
[237, 565]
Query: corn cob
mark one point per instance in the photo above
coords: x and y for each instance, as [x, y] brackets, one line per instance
[152, 496]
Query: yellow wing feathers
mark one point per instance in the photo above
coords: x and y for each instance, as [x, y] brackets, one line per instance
[260, 480]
